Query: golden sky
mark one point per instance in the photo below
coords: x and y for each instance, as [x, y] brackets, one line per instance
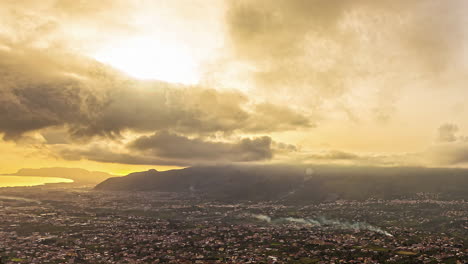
[126, 85]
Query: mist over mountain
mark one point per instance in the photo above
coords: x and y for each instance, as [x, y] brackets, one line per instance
[80, 176]
[298, 183]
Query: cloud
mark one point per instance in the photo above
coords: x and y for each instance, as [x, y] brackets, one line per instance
[447, 133]
[317, 53]
[280, 33]
[39, 91]
[71, 101]
[45, 88]
[335, 155]
[64, 23]
[268, 117]
[100, 153]
[454, 153]
[55, 136]
[345, 63]
[340, 157]
[164, 148]
[450, 149]
[190, 110]
[164, 144]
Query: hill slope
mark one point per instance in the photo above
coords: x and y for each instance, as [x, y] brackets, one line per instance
[297, 182]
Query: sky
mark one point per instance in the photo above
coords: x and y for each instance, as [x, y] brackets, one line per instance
[127, 85]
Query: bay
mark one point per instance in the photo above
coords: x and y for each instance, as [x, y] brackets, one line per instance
[16, 181]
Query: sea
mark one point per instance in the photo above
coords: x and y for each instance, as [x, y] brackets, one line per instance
[16, 181]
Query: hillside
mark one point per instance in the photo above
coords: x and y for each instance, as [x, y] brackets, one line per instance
[298, 183]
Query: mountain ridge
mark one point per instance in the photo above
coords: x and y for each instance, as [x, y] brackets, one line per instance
[298, 183]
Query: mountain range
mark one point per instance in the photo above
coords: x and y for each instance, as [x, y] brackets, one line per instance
[298, 183]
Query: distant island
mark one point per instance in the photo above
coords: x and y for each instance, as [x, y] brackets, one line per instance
[79, 176]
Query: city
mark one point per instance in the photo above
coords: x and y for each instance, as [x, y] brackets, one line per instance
[50, 224]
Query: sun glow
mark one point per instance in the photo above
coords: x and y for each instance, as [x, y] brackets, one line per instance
[151, 58]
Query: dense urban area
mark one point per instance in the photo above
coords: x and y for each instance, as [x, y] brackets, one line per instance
[54, 224]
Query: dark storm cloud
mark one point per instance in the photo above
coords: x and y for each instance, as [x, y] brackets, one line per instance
[164, 148]
[173, 146]
[190, 110]
[42, 88]
[107, 155]
[36, 92]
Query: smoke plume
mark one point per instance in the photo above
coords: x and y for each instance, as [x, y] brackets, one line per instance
[322, 221]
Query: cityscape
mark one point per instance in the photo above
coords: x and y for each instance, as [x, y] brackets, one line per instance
[233, 131]
[60, 225]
